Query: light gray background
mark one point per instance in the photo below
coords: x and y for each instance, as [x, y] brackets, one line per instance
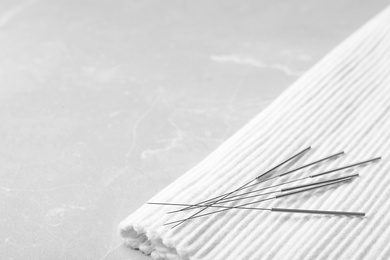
[105, 102]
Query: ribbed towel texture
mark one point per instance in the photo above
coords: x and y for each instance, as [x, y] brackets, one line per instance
[341, 104]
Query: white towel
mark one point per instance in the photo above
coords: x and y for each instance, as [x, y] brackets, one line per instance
[341, 104]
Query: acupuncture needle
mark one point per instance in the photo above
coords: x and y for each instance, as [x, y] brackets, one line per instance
[271, 178]
[345, 178]
[255, 202]
[350, 213]
[282, 163]
[349, 177]
[337, 180]
[281, 190]
[300, 179]
[293, 188]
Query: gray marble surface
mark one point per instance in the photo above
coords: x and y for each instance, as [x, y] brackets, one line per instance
[105, 102]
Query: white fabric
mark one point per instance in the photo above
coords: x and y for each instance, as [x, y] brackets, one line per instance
[342, 103]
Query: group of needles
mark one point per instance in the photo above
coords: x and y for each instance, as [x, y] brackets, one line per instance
[218, 203]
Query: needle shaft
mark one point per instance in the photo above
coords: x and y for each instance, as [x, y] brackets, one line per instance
[347, 213]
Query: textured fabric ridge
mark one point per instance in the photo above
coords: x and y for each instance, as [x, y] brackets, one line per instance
[341, 104]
